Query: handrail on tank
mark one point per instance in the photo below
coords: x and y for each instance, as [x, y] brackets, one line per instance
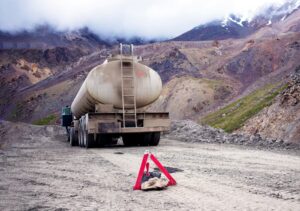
[123, 47]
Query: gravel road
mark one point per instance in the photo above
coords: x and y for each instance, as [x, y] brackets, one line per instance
[40, 171]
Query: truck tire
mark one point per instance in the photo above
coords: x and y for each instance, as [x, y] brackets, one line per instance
[89, 140]
[99, 140]
[145, 139]
[103, 139]
[130, 139]
[84, 134]
[80, 138]
[69, 136]
[80, 134]
[155, 137]
[73, 137]
[83, 138]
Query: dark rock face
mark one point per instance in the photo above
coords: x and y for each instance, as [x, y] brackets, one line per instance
[248, 66]
[262, 59]
[223, 92]
[175, 64]
[48, 58]
[61, 55]
[291, 95]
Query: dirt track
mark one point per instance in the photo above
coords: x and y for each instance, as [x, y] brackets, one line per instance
[42, 172]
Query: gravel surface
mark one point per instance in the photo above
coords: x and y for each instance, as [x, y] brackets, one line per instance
[40, 171]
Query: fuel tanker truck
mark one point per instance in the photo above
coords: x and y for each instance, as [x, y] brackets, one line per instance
[111, 104]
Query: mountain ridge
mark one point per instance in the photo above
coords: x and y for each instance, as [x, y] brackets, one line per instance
[239, 26]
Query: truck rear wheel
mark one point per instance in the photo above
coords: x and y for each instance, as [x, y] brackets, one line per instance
[73, 137]
[80, 140]
[145, 139]
[130, 139]
[85, 139]
[79, 134]
[69, 136]
[104, 139]
[155, 137]
[88, 140]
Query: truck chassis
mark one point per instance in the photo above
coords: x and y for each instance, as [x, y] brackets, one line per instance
[105, 128]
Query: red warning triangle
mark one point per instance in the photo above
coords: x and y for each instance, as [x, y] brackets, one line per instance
[144, 165]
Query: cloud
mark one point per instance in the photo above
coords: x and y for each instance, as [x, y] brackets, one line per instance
[126, 18]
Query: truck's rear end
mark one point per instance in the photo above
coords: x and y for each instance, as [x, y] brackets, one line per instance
[111, 104]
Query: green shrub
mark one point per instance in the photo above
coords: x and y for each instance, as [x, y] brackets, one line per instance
[233, 116]
[46, 120]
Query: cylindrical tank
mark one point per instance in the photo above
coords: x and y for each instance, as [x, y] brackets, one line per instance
[103, 85]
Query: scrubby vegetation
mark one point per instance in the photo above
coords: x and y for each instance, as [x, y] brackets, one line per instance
[232, 116]
[16, 111]
[46, 120]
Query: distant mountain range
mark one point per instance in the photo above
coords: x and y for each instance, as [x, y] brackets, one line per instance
[232, 26]
[43, 37]
[238, 26]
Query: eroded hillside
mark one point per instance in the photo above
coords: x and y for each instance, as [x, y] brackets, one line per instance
[198, 76]
[282, 118]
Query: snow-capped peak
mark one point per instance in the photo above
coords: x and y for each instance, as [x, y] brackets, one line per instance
[240, 20]
[281, 10]
[273, 11]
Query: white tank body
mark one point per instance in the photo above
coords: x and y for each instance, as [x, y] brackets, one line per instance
[103, 85]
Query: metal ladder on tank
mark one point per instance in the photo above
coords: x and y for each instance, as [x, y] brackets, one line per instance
[128, 87]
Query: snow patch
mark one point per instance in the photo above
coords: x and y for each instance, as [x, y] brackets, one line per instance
[224, 22]
[235, 21]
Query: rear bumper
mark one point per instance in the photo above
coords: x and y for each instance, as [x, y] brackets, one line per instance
[144, 129]
[110, 123]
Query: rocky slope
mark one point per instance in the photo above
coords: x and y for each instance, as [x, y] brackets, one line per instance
[32, 62]
[230, 68]
[282, 118]
[198, 77]
[189, 131]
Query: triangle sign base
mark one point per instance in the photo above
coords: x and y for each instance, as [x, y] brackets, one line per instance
[144, 165]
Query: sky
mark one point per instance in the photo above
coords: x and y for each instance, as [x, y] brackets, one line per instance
[111, 18]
